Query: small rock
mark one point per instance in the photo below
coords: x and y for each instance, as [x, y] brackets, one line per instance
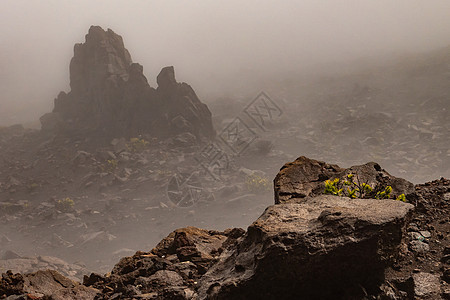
[166, 277]
[425, 234]
[388, 292]
[413, 227]
[418, 246]
[415, 236]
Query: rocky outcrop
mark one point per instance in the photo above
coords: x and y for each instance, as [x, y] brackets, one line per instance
[301, 178]
[171, 270]
[305, 177]
[110, 96]
[313, 246]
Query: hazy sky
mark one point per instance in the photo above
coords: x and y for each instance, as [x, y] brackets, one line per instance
[206, 41]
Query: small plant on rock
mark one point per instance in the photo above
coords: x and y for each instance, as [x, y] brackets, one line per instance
[331, 187]
[356, 189]
[401, 197]
[386, 194]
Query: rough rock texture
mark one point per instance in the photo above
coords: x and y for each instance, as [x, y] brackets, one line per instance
[426, 286]
[302, 177]
[415, 275]
[305, 177]
[321, 248]
[308, 247]
[47, 284]
[110, 96]
[170, 270]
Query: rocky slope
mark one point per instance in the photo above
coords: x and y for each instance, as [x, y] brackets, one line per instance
[308, 246]
[118, 165]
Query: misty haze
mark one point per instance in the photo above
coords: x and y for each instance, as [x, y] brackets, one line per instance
[225, 150]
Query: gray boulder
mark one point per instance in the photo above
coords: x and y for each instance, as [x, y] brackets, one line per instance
[325, 247]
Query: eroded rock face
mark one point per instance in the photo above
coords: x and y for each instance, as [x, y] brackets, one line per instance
[301, 178]
[307, 246]
[321, 248]
[170, 270]
[110, 96]
[305, 177]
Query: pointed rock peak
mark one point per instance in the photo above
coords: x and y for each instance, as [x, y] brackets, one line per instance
[102, 57]
[96, 33]
[95, 30]
[166, 77]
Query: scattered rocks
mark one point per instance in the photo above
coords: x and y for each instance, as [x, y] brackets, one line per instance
[307, 245]
[171, 269]
[419, 246]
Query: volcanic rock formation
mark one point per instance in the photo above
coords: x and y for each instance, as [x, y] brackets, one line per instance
[306, 246]
[304, 177]
[110, 96]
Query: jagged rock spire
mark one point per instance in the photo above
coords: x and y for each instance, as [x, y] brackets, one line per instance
[110, 96]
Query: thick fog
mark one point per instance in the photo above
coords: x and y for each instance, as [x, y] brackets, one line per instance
[214, 45]
[119, 165]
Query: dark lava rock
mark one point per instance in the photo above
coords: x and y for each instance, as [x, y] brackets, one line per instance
[321, 248]
[11, 284]
[110, 96]
[307, 246]
[301, 178]
[305, 177]
[170, 270]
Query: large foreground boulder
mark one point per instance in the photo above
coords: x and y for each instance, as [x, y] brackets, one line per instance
[110, 96]
[306, 246]
[325, 247]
